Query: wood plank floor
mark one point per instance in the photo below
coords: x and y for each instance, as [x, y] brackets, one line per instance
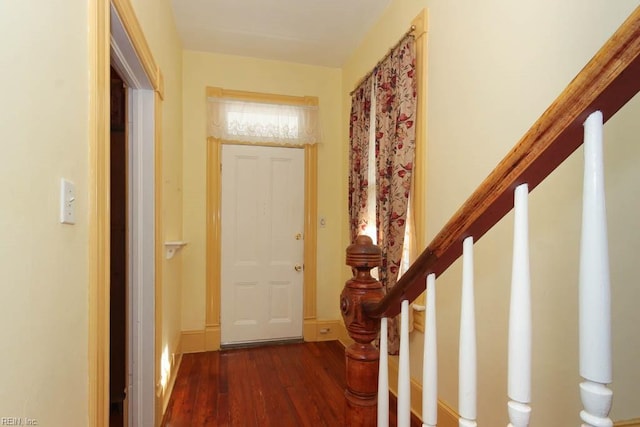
[278, 385]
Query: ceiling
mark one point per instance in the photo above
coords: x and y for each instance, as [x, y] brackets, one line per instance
[317, 32]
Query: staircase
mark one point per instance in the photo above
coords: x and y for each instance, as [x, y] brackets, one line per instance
[575, 118]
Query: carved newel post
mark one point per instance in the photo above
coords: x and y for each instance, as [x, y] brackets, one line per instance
[361, 357]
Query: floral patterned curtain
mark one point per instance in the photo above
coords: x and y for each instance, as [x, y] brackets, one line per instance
[358, 156]
[395, 96]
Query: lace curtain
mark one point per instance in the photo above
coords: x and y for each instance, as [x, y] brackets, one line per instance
[257, 122]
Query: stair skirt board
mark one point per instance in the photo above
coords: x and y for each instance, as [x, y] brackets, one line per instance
[628, 423]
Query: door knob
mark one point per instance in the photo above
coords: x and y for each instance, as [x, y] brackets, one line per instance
[298, 268]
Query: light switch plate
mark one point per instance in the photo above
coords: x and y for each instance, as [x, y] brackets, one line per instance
[67, 202]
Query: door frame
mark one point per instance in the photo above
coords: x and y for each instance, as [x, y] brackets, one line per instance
[125, 36]
[213, 226]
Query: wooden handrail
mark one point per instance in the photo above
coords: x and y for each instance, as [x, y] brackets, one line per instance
[606, 83]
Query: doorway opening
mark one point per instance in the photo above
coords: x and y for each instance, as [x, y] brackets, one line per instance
[118, 252]
[137, 158]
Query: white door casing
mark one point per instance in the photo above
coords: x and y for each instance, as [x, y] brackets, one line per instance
[262, 243]
[141, 225]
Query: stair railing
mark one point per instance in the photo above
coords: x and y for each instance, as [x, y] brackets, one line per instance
[604, 85]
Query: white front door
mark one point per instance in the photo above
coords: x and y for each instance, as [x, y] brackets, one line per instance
[262, 246]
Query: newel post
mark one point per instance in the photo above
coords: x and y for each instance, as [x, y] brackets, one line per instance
[361, 356]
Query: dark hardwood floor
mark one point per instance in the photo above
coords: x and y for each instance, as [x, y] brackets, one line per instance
[277, 385]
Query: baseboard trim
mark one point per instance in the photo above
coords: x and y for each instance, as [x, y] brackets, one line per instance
[172, 381]
[212, 338]
[192, 341]
[628, 423]
[174, 362]
[328, 330]
[309, 330]
[322, 330]
[197, 341]
[447, 416]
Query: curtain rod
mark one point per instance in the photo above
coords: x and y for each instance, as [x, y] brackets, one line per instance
[366, 76]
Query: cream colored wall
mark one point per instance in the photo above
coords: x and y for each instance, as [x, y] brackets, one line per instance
[494, 67]
[231, 72]
[44, 264]
[156, 20]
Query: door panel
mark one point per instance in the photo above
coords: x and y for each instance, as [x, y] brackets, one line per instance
[246, 208]
[262, 215]
[243, 315]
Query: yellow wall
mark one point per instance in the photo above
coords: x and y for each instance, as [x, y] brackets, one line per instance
[231, 72]
[494, 66]
[156, 20]
[44, 264]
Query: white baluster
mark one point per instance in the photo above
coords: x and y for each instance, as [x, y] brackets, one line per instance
[595, 296]
[519, 389]
[430, 360]
[467, 358]
[404, 386]
[383, 377]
